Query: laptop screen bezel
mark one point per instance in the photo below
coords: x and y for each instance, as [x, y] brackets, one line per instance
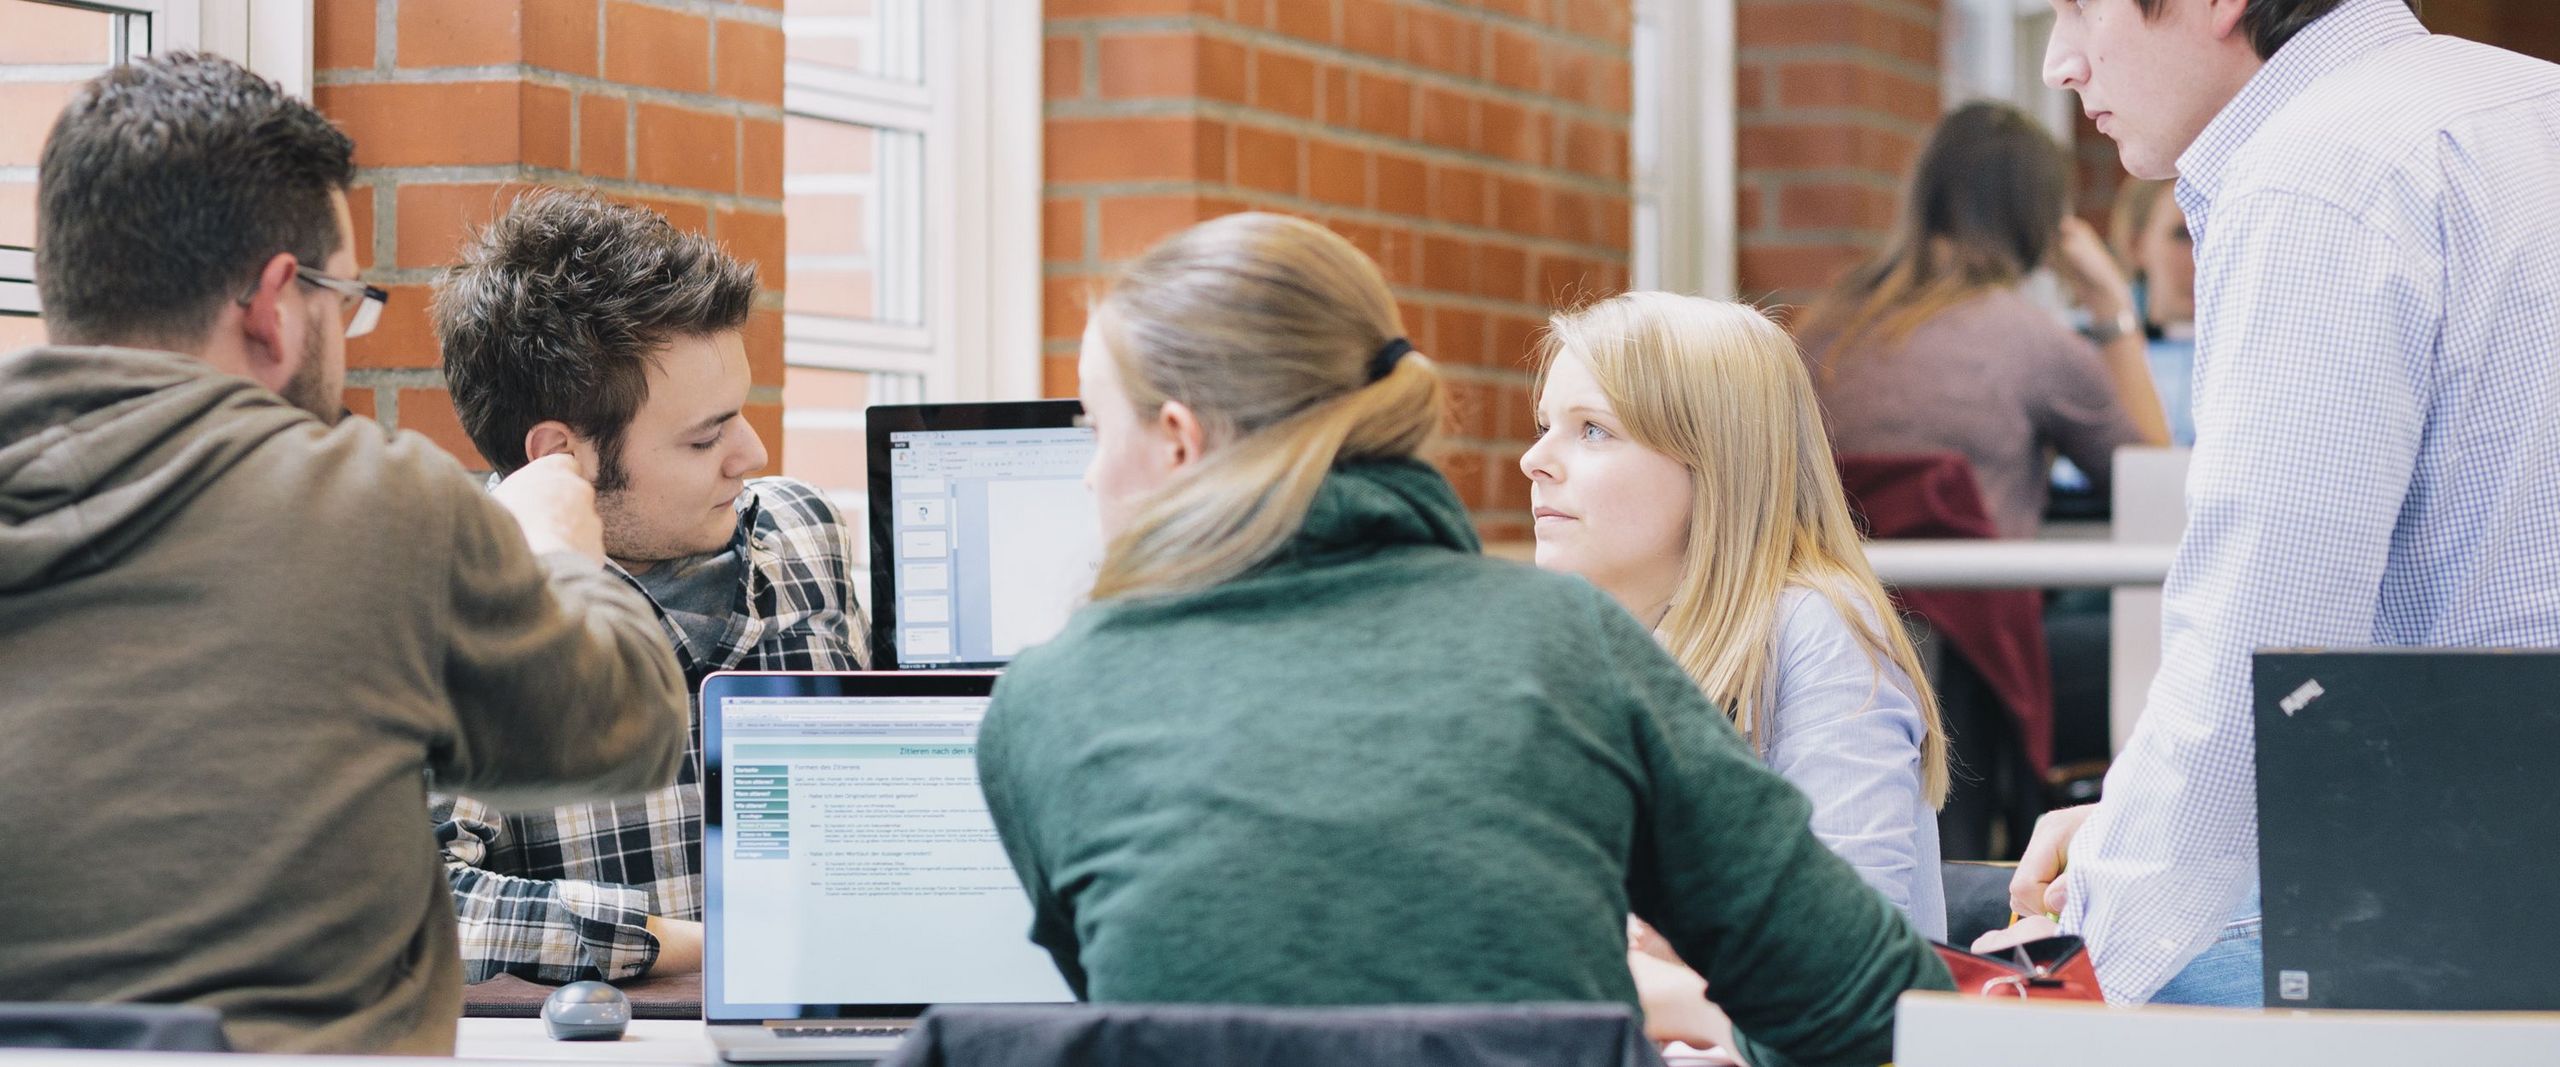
[716, 690]
[882, 421]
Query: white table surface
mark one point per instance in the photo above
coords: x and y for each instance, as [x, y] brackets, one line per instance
[669, 1041]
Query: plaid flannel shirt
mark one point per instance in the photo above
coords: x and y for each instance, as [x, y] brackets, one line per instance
[565, 894]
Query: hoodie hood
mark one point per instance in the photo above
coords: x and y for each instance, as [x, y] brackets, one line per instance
[101, 447]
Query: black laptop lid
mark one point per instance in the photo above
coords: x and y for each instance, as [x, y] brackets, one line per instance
[2409, 828]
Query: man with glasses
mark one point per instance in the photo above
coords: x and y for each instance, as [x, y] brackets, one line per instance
[240, 637]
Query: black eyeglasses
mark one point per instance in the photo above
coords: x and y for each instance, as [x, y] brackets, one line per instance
[363, 302]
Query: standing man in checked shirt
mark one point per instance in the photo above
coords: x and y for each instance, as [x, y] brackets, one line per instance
[2377, 409]
[599, 330]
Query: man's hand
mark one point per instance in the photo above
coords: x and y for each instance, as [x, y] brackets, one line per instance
[2031, 928]
[2038, 889]
[679, 946]
[556, 504]
[2082, 261]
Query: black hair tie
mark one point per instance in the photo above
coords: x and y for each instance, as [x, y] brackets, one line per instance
[1384, 363]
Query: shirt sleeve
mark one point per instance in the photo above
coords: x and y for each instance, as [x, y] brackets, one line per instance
[1846, 730]
[2313, 391]
[2082, 416]
[543, 930]
[1052, 921]
[563, 685]
[1802, 956]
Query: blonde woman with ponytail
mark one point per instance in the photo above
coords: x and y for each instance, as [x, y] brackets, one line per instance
[1307, 745]
[1682, 467]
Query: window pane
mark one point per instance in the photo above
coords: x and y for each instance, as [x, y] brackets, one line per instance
[45, 53]
[822, 417]
[875, 38]
[854, 195]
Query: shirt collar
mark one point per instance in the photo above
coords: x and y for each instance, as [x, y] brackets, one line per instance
[2331, 42]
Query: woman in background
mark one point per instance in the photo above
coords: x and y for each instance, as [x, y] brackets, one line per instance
[2152, 244]
[1308, 746]
[1934, 348]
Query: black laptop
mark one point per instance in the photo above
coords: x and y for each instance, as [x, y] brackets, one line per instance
[2409, 828]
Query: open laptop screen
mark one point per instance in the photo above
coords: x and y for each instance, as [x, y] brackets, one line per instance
[983, 536]
[853, 869]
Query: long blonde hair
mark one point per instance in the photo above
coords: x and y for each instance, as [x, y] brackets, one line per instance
[1723, 390]
[1264, 326]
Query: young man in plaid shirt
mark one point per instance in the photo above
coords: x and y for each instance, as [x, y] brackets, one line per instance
[574, 325]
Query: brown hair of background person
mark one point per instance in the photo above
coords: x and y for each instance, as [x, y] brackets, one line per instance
[2271, 23]
[527, 342]
[127, 250]
[1985, 209]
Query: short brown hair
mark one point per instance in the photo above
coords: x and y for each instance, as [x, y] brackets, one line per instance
[555, 310]
[167, 183]
[2271, 23]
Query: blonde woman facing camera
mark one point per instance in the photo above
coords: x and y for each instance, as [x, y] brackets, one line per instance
[1308, 746]
[1681, 466]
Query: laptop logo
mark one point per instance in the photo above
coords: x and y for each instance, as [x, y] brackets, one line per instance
[2301, 698]
[2293, 985]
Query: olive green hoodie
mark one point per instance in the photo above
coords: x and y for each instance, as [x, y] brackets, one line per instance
[237, 647]
[1385, 769]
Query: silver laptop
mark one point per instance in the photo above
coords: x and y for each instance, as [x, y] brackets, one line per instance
[853, 876]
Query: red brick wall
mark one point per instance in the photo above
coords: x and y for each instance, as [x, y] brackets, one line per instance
[1476, 148]
[456, 106]
[1834, 99]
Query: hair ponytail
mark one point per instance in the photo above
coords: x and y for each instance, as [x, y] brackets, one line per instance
[1266, 327]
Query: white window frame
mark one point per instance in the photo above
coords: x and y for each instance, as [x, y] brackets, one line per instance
[272, 37]
[977, 110]
[1686, 188]
[1994, 50]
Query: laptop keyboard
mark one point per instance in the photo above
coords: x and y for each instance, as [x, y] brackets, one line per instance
[844, 1030]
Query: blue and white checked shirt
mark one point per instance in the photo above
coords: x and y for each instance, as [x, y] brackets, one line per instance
[2377, 221]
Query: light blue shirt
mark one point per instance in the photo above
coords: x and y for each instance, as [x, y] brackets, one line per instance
[2377, 430]
[1847, 732]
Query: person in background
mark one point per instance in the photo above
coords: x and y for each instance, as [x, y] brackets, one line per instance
[2152, 244]
[242, 636]
[1681, 467]
[1308, 746]
[1932, 347]
[2377, 266]
[575, 326]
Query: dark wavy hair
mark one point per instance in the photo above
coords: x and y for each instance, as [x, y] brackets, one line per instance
[556, 309]
[2271, 23]
[165, 186]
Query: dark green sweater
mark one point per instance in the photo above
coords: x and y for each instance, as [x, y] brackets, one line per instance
[1385, 769]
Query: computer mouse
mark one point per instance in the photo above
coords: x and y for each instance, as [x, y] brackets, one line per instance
[586, 1011]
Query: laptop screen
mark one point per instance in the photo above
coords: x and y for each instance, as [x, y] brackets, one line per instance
[853, 861]
[991, 538]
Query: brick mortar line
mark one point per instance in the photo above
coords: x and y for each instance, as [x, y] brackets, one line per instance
[528, 74]
[1234, 115]
[1280, 42]
[1825, 237]
[1869, 121]
[1550, 33]
[396, 378]
[386, 38]
[1837, 53]
[527, 174]
[1368, 215]
[1349, 60]
[728, 9]
[1865, 179]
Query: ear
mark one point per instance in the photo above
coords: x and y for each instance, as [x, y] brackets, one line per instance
[2224, 17]
[552, 437]
[274, 336]
[1185, 440]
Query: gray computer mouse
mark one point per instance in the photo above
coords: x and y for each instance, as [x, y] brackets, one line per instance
[586, 1011]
